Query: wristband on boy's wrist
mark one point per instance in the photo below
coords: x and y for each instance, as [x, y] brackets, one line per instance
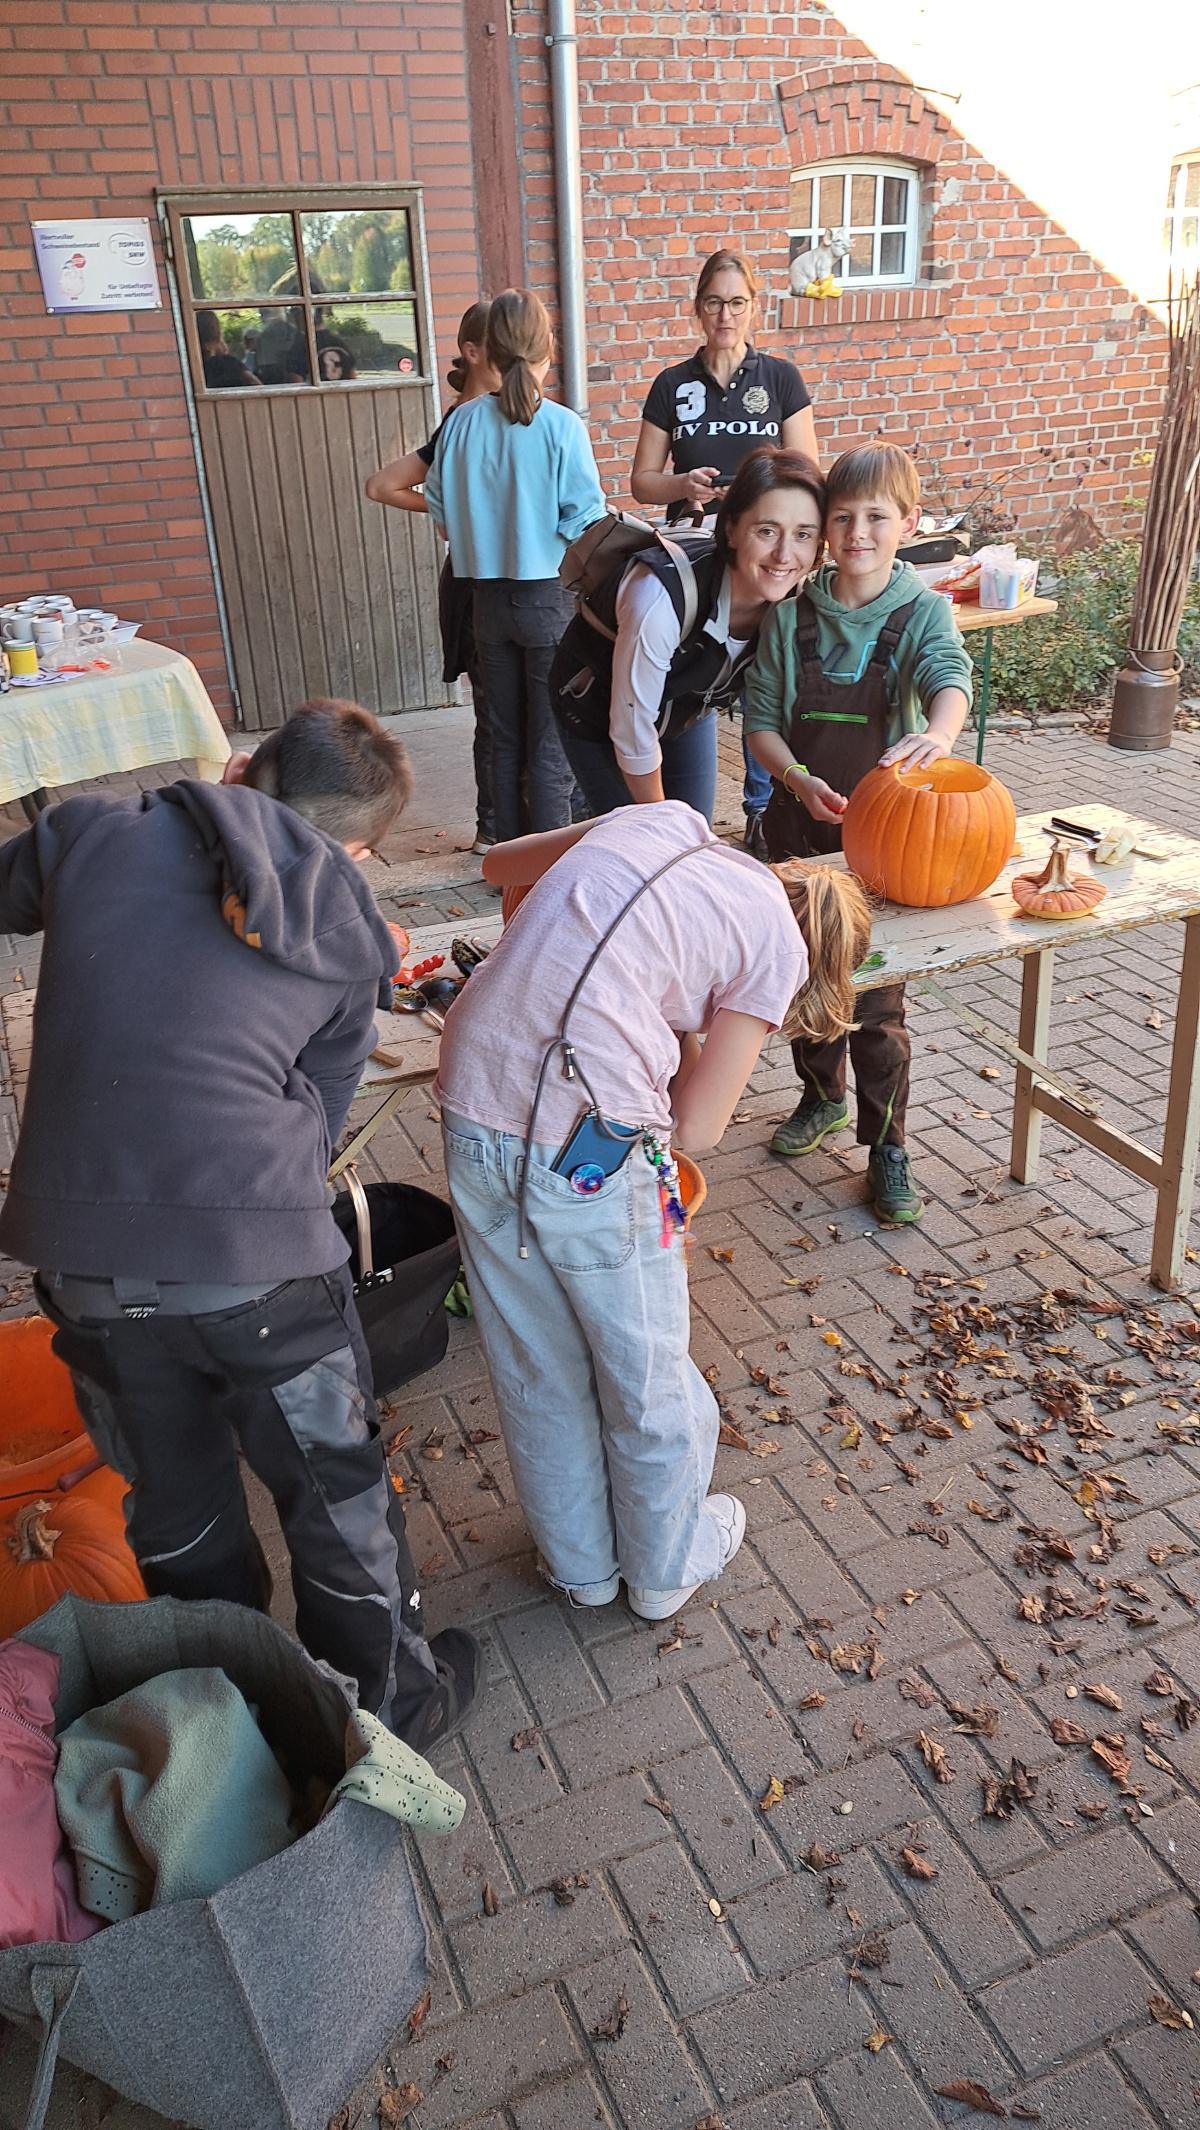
[799, 766]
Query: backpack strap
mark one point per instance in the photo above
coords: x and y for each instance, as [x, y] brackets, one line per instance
[807, 638]
[890, 634]
[687, 585]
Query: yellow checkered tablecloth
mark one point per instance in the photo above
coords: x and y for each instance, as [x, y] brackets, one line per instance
[152, 708]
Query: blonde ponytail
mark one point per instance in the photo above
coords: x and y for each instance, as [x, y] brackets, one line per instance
[834, 917]
[518, 336]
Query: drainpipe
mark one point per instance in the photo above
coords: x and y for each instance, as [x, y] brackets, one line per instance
[564, 88]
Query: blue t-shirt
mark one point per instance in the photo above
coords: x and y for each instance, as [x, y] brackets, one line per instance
[511, 496]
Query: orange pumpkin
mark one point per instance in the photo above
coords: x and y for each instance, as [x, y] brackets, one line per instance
[928, 837]
[42, 1440]
[1056, 893]
[50, 1548]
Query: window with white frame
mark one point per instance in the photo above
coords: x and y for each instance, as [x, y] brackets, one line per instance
[873, 205]
[1181, 231]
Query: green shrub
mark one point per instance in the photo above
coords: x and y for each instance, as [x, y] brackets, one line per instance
[1066, 661]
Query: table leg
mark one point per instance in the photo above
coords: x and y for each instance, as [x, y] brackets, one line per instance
[1033, 1035]
[985, 695]
[1181, 1136]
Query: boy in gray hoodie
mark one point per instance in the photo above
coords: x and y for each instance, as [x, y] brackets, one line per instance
[864, 666]
[212, 964]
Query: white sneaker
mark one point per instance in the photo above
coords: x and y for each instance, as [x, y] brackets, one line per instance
[482, 844]
[728, 1512]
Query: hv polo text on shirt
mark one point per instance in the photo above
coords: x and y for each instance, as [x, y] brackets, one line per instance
[710, 424]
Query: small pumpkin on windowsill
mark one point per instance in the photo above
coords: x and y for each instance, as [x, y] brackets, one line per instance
[1054, 892]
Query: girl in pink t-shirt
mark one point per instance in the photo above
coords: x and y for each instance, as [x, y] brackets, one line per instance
[570, 1065]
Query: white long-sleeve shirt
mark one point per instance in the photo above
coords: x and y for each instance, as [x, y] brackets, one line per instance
[648, 636]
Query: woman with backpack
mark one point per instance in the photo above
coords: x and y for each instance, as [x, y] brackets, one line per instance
[513, 483]
[570, 1065]
[399, 485]
[703, 416]
[665, 639]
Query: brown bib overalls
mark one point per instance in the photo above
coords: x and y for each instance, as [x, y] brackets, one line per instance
[839, 732]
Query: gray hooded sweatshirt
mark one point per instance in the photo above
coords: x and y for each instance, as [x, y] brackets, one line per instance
[206, 1000]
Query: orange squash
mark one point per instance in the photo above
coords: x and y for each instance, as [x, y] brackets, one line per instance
[1056, 893]
[49, 1548]
[928, 837]
[43, 1444]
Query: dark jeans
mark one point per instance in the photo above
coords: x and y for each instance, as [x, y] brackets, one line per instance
[481, 751]
[169, 1400]
[517, 627]
[689, 769]
[880, 1052]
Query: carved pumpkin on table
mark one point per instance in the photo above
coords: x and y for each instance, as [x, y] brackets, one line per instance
[929, 837]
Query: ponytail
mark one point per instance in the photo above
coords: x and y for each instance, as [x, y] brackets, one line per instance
[518, 336]
[520, 393]
[835, 921]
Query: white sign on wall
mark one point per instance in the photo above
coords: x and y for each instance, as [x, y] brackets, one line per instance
[97, 266]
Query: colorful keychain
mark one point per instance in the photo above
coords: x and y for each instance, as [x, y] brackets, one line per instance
[672, 1211]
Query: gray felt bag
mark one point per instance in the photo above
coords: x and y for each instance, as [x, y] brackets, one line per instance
[268, 2003]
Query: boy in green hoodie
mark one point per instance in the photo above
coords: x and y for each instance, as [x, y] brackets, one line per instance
[865, 666]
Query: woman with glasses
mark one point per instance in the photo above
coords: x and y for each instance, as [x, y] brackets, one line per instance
[702, 417]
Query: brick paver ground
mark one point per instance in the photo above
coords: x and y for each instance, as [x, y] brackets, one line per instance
[972, 1475]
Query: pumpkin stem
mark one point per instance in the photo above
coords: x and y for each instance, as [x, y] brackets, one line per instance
[1056, 874]
[33, 1539]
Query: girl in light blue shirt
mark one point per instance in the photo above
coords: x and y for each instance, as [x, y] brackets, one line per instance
[513, 482]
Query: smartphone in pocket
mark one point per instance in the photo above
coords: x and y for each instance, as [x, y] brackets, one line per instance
[596, 1143]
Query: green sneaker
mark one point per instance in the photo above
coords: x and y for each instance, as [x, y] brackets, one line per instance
[893, 1192]
[803, 1131]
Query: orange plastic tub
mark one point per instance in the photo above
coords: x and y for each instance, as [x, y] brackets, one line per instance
[43, 1443]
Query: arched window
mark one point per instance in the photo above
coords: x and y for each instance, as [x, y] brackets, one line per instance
[873, 204]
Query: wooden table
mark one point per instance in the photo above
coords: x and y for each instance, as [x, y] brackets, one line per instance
[972, 618]
[151, 707]
[921, 945]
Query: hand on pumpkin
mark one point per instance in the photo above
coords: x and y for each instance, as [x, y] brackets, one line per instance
[819, 798]
[916, 750]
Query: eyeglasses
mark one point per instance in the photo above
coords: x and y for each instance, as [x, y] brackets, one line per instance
[712, 306]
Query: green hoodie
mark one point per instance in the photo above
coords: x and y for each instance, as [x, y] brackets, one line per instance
[930, 655]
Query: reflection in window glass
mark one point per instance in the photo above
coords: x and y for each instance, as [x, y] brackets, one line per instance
[378, 338]
[801, 203]
[862, 200]
[362, 253]
[861, 260]
[832, 197]
[891, 252]
[238, 255]
[230, 342]
[895, 200]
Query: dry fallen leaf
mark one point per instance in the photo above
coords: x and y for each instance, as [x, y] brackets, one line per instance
[878, 2040]
[397, 2104]
[774, 1794]
[1167, 2014]
[731, 1436]
[916, 1865]
[970, 2094]
[522, 1740]
[564, 1888]
[1064, 1732]
[612, 2028]
[1001, 1793]
[989, 1072]
[722, 1257]
[832, 1338]
[491, 1906]
[418, 2015]
[1160, 1682]
[1109, 1750]
[1105, 1695]
[814, 1700]
[934, 1755]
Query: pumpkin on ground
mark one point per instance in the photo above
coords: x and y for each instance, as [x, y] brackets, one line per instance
[1056, 893]
[48, 1548]
[928, 837]
[43, 1444]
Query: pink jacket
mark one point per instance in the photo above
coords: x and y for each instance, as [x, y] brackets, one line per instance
[38, 1898]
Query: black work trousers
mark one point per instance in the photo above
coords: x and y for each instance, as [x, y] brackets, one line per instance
[168, 1401]
[880, 1051]
[517, 627]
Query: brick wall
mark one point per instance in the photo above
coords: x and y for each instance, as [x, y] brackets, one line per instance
[1016, 349]
[100, 102]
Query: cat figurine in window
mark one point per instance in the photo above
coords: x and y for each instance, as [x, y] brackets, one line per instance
[811, 272]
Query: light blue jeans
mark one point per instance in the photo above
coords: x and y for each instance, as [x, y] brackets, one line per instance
[610, 1427]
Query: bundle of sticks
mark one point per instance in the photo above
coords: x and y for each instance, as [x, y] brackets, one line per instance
[1172, 525]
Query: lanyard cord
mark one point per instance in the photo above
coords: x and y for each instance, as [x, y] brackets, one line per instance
[571, 1067]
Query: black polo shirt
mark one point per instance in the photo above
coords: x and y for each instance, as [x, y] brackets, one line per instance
[714, 425]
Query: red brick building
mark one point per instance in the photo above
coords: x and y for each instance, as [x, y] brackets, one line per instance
[970, 326]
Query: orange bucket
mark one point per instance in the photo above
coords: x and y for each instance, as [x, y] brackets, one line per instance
[43, 1443]
[692, 1188]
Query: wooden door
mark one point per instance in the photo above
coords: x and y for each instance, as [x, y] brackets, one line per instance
[307, 377]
